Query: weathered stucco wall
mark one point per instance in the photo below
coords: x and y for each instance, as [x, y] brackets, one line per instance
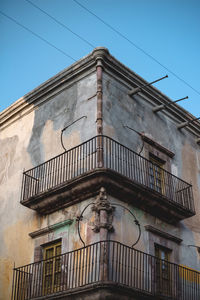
[36, 137]
[121, 110]
[124, 228]
[68, 232]
[28, 142]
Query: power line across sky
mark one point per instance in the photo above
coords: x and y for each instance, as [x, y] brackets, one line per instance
[67, 25]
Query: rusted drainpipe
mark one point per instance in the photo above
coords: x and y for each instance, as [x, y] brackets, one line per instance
[99, 54]
[99, 68]
[99, 121]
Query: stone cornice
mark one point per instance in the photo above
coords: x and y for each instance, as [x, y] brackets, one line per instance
[88, 185]
[151, 94]
[44, 91]
[50, 228]
[157, 146]
[119, 71]
[163, 234]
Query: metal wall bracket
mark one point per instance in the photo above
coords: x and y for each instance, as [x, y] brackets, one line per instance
[140, 88]
[186, 123]
[162, 106]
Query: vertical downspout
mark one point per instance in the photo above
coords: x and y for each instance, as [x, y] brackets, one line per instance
[99, 68]
[99, 120]
[99, 53]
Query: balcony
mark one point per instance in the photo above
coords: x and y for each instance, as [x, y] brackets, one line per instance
[101, 161]
[110, 266]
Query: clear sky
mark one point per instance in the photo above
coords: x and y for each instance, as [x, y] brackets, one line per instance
[169, 31]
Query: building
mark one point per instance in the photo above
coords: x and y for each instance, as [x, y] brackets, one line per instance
[99, 187]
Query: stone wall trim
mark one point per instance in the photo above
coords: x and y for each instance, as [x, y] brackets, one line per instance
[163, 234]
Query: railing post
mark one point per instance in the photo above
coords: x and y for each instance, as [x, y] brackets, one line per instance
[104, 261]
[100, 162]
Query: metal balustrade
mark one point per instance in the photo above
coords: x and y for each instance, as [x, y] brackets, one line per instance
[104, 152]
[106, 262]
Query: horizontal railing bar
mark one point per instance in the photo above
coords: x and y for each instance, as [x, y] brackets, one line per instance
[32, 177]
[105, 261]
[181, 190]
[65, 152]
[125, 147]
[108, 241]
[99, 152]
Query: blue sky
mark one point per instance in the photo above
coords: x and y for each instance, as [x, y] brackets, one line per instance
[169, 31]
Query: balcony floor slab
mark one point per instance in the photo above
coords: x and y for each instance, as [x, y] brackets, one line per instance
[88, 185]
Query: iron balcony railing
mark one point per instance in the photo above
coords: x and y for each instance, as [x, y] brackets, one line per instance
[104, 152]
[106, 262]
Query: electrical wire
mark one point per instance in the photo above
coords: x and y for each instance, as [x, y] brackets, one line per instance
[60, 23]
[63, 25]
[37, 35]
[86, 41]
[105, 23]
[136, 46]
[69, 56]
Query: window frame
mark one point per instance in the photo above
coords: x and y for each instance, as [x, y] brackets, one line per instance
[156, 171]
[163, 269]
[53, 272]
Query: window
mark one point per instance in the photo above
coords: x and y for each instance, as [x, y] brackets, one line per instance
[52, 267]
[156, 174]
[162, 270]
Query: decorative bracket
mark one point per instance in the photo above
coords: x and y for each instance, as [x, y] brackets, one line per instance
[103, 212]
[104, 216]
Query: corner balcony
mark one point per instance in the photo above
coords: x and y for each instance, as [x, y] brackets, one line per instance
[105, 270]
[101, 161]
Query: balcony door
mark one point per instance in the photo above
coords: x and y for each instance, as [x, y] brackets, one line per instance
[163, 280]
[52, 268]
[156, 174]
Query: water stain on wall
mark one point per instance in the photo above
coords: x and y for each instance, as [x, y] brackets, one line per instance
[20, 250]
[15, 237]
[7, 154]
[64, 104]
[6, 267]
[190, 170]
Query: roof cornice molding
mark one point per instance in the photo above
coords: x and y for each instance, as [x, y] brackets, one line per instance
[156, 145]
[118, 70]
[49, 229]
[27, 103]
[151, 94]
[163, 234]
